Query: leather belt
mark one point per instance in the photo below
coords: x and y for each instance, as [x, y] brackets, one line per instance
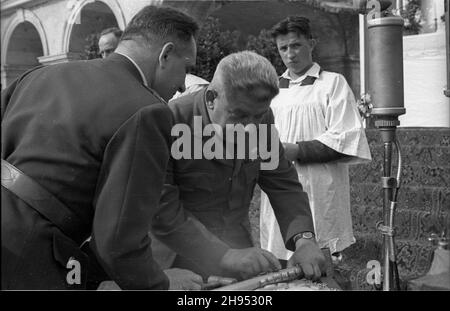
[43, 202]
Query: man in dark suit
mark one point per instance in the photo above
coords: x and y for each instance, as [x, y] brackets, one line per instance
[91, 139]
[207, 194]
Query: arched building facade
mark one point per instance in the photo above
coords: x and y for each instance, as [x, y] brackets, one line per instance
[47, 32]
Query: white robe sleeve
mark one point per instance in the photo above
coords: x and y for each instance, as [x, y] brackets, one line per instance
[344, 130]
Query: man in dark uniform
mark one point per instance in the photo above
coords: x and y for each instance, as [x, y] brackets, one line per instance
[206, 200]
[87, 145]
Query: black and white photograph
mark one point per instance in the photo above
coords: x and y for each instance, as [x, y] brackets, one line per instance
[224, 151]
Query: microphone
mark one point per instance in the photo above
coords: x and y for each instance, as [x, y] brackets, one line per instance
[385, 44]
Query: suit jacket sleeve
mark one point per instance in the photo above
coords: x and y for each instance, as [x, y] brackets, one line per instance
[127, 197]
[289, 202]
[182, 232]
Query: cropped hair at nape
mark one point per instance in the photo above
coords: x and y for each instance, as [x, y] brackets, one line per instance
[294, 23]
[158, 23]
[247, 71]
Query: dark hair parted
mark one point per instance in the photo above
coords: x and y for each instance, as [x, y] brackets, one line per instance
[293, 23]
[116, 31]
[157, 23]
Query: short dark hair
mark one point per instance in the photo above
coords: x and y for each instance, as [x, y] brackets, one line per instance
[158, 22]
[293, 23]
[116, 31]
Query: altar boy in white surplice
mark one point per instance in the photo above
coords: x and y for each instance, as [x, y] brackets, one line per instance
[322, 132]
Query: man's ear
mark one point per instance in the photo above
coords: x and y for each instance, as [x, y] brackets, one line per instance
[166, 52]
[313, 43]
[210, 96]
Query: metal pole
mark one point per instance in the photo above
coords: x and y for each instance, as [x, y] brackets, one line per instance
[363, 63]
[447, 36]
[387, 276]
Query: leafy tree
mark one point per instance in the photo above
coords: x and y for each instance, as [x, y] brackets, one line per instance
[411, 15]
[264, 45]
[91, 50]
[212, 45]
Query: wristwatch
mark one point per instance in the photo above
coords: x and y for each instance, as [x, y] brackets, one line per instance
[304, 235]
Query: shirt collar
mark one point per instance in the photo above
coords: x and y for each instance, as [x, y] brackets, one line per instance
[314, 71]
[144, 80]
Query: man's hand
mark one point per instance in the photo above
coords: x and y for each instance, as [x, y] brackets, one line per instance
[310, 258]
[291, 151]
[249, 262]
[181, 279]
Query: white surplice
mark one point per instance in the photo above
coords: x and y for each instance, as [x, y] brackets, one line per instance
[325, 111]
[192, 83]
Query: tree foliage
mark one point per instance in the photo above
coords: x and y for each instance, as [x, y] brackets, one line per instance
[412, 16]
[91, 50]
[212, 45]
[264, 45]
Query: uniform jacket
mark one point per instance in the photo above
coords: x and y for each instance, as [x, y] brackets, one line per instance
[95, 137]
[217, 193]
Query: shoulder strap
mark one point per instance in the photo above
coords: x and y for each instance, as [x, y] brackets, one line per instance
[43, 202]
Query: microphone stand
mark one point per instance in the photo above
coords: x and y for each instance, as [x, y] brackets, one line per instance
[385, 64]
[447, 39]
[391, 187]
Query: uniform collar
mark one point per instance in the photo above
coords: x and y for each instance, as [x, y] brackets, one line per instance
[314, 72]
[144, 80]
